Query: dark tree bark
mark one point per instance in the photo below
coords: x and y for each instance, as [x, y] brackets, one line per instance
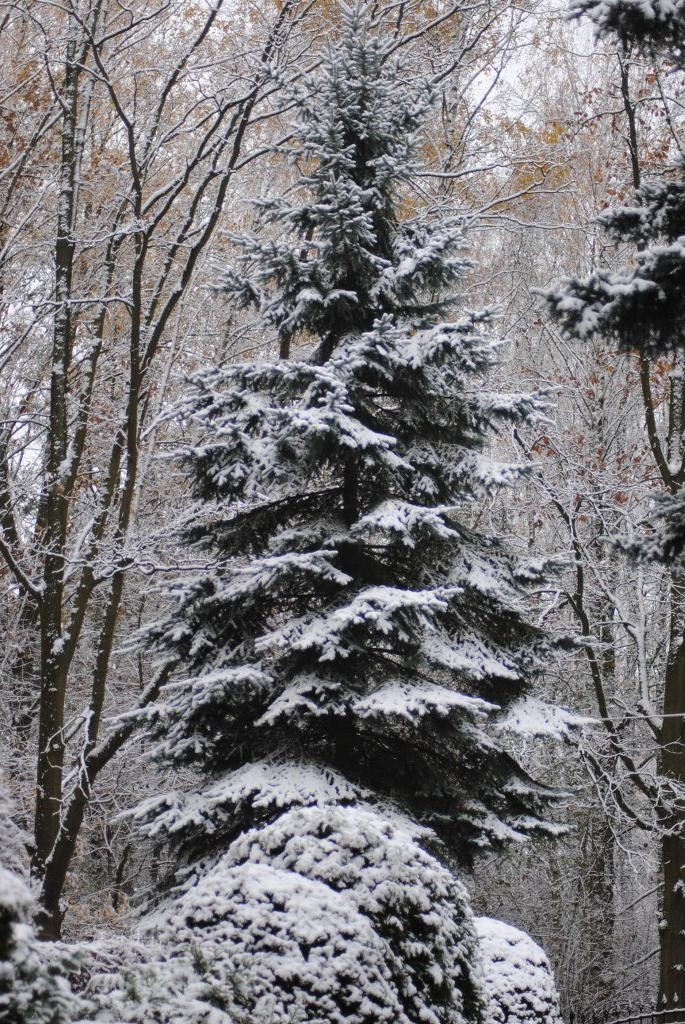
[672, 817]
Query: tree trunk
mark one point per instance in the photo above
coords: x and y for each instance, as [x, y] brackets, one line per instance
[107, 291]
[50, 763]
[672, 921]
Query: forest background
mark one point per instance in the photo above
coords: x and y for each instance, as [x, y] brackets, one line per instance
[127, 160]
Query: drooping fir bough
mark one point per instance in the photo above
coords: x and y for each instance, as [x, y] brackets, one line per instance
[657, 25]
[357, 648]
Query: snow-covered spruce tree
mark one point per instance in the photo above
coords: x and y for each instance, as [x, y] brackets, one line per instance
[642, 306]
[358, 648]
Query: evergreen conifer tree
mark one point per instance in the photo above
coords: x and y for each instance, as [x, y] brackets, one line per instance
[358, 649]
[657, 26]
[353, 617]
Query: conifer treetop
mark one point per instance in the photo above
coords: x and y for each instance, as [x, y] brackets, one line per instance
[359, 119]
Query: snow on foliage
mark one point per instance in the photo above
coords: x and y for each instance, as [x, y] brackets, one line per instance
[642, 305]
[343, 663]
[517, 977]
[329, 913]
[531, 717]
[255, 791]
[351, 617]
[657, 23]
[13, 856]
[31, 989]
[135, 982]
[662, 536]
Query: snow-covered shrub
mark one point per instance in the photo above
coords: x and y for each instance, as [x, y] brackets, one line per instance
[517, 977]
[31, 990]
[330, 913]
[127, 981]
